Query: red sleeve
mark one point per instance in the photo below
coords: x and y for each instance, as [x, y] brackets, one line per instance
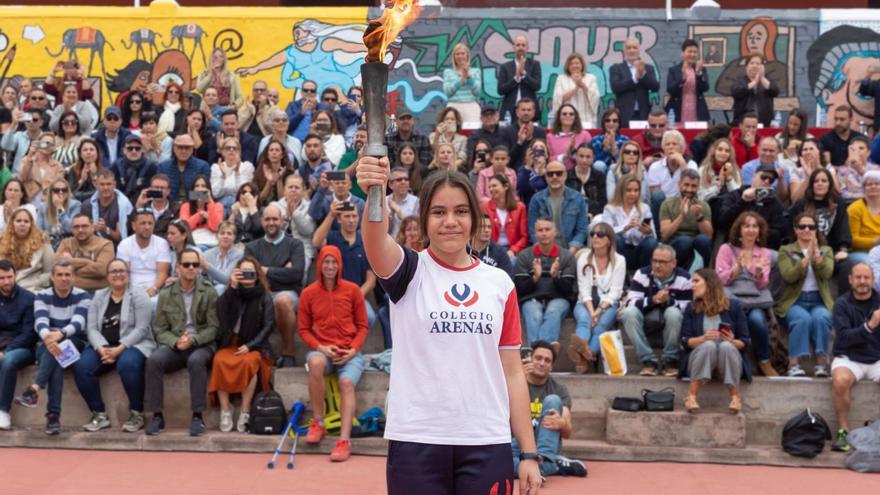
[304, 321]
[360, 317]
[511, 331]
[522, 230]
[215, 215]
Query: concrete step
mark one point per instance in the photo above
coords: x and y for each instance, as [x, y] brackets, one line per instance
[676, 429]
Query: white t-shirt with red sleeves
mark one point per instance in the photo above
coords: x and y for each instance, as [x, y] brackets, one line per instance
[447, 325]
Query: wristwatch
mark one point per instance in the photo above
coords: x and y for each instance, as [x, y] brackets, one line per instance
[527, 456]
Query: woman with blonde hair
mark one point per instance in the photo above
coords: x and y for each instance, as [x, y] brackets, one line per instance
[630, 163]
[448, 131]
[630, 218]
[577, 87]
[25, 245]
[410, 235]
[463, 86]
[57, 211]
[38, 168]
[719, 173]
[444, 160]
[218, 76]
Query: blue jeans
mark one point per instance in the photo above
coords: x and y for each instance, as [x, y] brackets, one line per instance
[633, 321]
[130, 365]
[585, 328]
[549, 441]
[857, 257]
[543, 321]
[685, 246]
[808, 321]
[50, 376]
[371, 314]
[760, 334]
[636, 256]
[10, 363]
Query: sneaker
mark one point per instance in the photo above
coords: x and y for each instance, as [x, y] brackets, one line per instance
[821, 371]
[225, 421]
[196, 426]
[5, 421]
[571, 467]
[98, 422]
[243, 420]
[796, 370]
[840, 444]
[341, 452]
[156, 426]
[670, 368]
[28, 398]
[285, 362]
[53, 424]
[649, 368]
[315, 434]
[134, 423]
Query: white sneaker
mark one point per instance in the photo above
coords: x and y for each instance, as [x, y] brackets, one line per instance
[225, 421]
[243, 419]
[5, 421]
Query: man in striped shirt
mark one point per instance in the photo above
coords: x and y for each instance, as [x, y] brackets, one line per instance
[658, 295]
[60, 314]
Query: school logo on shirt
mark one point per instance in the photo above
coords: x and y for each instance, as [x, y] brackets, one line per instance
[463, 298]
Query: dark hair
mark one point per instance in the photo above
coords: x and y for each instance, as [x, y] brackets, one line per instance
[748, 115]
[193, 204]
[608, 113]
[441, 116]
[118, 260]
[526, 99]
[544, 219]
[329, 90]
[139, 212]
[334, 127]
[860, 139]
[188, 250]
[820, 237]
[576, 126]
[229, 112]
[714, 301]
[162, 177]
[833, 197]
[83, 215]
[310, 136]
[43, 115]
[182, 226]
[78, 166]
[452, 179]
[509, 196]
[126, 107]
[801, 132]
[104, 173]
[415, 172]
[255, 191]
[735, 235]
[500, 147]
[6, 265]
[818, 146]
[261, 277]
[203, 130]
[689, 43]
[149, 117]
[543, 344]
[64, 115]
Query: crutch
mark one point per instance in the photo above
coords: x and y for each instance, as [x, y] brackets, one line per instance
[292, 430]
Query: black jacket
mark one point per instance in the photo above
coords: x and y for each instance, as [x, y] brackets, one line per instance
[692, 326]
[674, 85]
[837, 235]
[771, 209]
[100, 137]
[593, 190]
[254, 334]
[757, 100]
[627, 92]
[852, 339]
[17, 320]
[527, 87]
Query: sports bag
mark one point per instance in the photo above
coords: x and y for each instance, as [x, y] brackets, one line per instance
[268, 415]
[805, 434]
[865, 441]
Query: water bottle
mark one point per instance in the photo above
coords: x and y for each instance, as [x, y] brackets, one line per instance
[392, 126]
[507, 118]
[671, 117]
[777, 120]
[863, 128]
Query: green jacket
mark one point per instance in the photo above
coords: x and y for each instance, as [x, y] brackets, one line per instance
[171, 314]
[794, 273]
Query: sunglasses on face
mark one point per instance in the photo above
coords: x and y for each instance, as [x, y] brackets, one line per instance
[566, 114]
[806, 226]
[657, 126]
[190, 264]
[37, 98]
[599, 234]
[59, 190]
[766, 178]
[330, 100]
[132, 148]
[309, 90]
[111, 118]
[136, 102]
[69, 122]
[630, 152]
[555, 173]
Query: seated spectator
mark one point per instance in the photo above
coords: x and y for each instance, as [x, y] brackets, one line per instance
[753, 91]
[507, 217]
[186, 327]
[183, 168]
[296, 222]
[665, 174]
[651, 139]
[88, 253]
[38, 168]
[155, 198]
[333, 324]
[70, 104]
[197, 129]
[806, 266]
[172, 118]
[579, 89]
[699, 145]
[856, 319]
[743, 265]
[810, 160]
[564, 206]
[792, 137]
[68, 137]
[134, 105]
[874, 263]
[410, 236]
[685, 83]
[57, 211]
[591, 183]
[657, 297]
[768, 154]
[463, 85]
[330, 191]
[108, 208]
[202, 213]
[715, 336]
[219, 261]
[346, 111]
[864, 219]
[745, 139]
[851, 174]
[630, 164]
[835, 144]
[158, 145]
[490, 130]
[822, 201]
[500, 159]
[313, 163]
[246, 316]
[606, 146]
[212, 109]
[566, 134]
[179, 237]
[60, 314]
[686, 222]
[325, 127]
[481, 246]
[283, 262]
[18, 143]
[550, 414]
[444, 159]
[120, 337]
[525, 129]
[111, 136]
[408, 159]
[545, 278]
[246, 213]
[148, 256]
[401, 203]
[530, 174]
[632, 223]
[759, 198]
[719, 174]
[17, 330]
[292, 145]
[600, 274]
[23, 243]
[406, 134]
[132, 170]
[448, 131]
[82, 176]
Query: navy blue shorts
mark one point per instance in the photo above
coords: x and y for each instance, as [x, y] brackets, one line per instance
[427, 469]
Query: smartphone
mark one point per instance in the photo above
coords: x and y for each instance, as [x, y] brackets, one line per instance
[646, 221]
[70, 64]
[525, 353]
[335, 176]
[198, 196]
[248, 275]
[538, 152]
[725, 329]
[26, 117]
[154, 194]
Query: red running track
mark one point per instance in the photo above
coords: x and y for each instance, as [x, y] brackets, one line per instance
[77, 472]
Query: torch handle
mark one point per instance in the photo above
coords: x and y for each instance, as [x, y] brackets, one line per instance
[374, 204]
[375, 82]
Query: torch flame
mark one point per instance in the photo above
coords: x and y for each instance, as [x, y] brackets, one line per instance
[383, 31]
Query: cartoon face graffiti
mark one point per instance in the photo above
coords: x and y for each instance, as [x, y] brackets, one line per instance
[756, 38]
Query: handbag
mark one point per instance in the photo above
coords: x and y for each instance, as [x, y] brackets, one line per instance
[628, 404]
[660, 400]
[744, 290]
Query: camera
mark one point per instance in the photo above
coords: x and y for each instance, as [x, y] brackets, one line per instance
[198, 196]
[248, 275]
[154, 194]
[538, 153]
[43, 145]
[525, 353]
[331, 176]
[346, 206]
[762, 193]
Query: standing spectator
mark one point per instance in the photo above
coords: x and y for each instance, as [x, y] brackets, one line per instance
[283, 261]
[520, 78]
[38, 168]
[864, 218]
[566, 135]
[856, 319]
[155, 199]
[246, 316]
[406, 134]
[57, 212]
[299, 112]
[183, 168]
[651, 139]
[157, 143]
[112, 136]
[631, 81]
[507, 217]
[463, 85]
[564, 206]
[490, 131]
[745, 139]
[278, 132]
[108, 208]
[274, 164]
[120, 337]
[754, 92]
[591, 183]
[686, 222]
[18, 143]
[23, 243]
[401, 203]
[172, 120]
[218, 76]
[630, 164]
[202, 213]
[631, 220]
[500, 159]
[219, 262]
[86, 113]
[578, 88]
[15, 196]
[657, 297]
[333, 324]
[685, 83]
[607, 145]
[132, 170]
[715, 336]
[810, 160]
[17, 329]
[148, 256]
[806, 266]
[88, 253]
[246, 213]
[481, 246]
[545, 280]
[186, 327]
[835, 144]
[64, 74]
[759, 198]
[600, 275]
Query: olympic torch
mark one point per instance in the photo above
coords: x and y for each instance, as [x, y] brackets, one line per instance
[379, 35]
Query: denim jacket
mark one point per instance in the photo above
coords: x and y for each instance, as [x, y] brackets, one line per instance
[574, 218]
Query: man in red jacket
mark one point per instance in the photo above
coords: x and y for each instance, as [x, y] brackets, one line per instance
[333, 323]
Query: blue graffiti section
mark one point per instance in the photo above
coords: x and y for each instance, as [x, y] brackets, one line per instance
[414, 103]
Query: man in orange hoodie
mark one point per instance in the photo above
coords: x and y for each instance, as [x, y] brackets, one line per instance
[333, 323]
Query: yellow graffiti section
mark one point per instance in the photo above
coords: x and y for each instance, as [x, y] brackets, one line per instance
[122, 49]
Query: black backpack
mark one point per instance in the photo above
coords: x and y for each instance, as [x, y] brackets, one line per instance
[268, 414]
[805, 434]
